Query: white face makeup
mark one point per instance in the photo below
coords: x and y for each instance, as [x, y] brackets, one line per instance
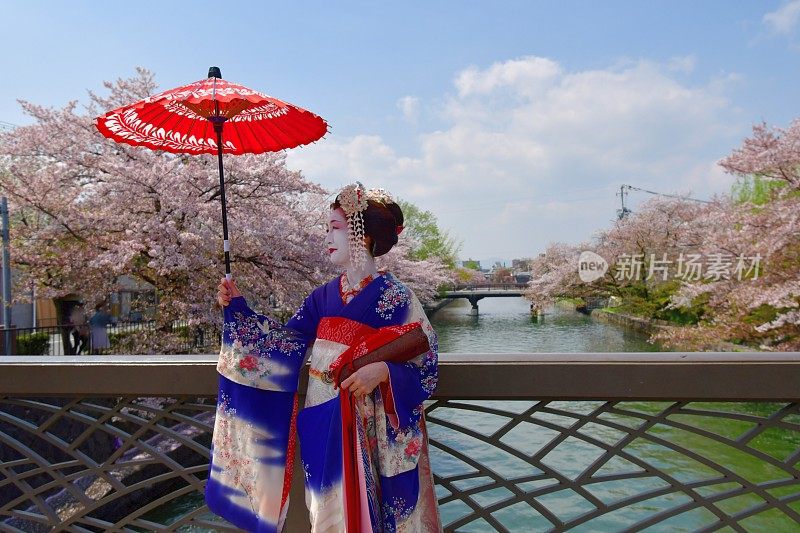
[336, 240]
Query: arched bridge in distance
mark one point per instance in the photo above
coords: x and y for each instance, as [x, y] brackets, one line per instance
[475, 292]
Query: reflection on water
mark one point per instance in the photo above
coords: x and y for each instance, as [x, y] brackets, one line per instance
[506, 325]
[664, 455]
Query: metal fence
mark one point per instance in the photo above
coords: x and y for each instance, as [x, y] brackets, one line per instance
[519, 442]
[71, 339]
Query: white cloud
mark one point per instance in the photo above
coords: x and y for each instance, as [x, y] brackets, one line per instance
[784, 19]
[335, 163]
[527, 75]
[532, 153]
[409, 106]
[685, 64]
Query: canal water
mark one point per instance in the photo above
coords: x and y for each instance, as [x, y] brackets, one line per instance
[505, 325]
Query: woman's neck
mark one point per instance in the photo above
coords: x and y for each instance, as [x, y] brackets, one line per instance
[355, 275]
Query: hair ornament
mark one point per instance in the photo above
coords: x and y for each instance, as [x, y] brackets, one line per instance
[353, 199]
[380, 196]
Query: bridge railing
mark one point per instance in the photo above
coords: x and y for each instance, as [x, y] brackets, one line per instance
[489, 286]
[519, 442]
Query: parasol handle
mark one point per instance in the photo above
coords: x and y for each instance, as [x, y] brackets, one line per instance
[218, 122]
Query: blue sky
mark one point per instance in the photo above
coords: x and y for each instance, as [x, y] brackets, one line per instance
[514, 122]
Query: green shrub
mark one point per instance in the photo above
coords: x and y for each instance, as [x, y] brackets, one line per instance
[184, 332]
[653, 301]
[117, 340]
[761, 315]
[33, 344]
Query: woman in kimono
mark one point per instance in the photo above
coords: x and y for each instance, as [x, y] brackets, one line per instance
[363, 445]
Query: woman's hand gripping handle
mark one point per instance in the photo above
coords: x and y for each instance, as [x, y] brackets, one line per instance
[226, 291]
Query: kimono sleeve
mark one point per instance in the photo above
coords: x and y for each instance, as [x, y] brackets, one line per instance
[260, 352]
[254, 428]
[414, 381]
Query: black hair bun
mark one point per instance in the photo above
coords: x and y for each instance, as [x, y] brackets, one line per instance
[383, 223]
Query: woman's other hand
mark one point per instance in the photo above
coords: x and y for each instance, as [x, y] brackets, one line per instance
[226, 291]
[364, 380]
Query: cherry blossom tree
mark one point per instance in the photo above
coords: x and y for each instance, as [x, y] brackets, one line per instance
[640, 251]
[87, 210]
[746, 247]
[763, 308]
[423, 276]
[772, 153]
[554, 274]
[757, 304]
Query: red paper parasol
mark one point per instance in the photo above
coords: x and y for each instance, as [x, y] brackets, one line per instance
[213, 116]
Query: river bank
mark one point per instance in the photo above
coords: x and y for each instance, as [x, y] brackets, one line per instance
[643, 325]
[431, 308]
[650, 326]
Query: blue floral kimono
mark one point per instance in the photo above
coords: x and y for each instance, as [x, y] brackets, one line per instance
[257, 417]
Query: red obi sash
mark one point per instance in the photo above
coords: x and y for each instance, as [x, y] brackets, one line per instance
[361, 340]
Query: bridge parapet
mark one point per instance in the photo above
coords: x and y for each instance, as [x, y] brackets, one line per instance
[519, 442]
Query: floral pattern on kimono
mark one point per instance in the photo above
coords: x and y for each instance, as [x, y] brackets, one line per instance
[252, 448]
[260, 356]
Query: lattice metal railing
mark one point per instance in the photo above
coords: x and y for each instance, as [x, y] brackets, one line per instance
[77, 462]
[112, 464]
[610, 466]
[104, 464]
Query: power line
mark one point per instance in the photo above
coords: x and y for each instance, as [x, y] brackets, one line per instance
[679, 197]
[624, 211]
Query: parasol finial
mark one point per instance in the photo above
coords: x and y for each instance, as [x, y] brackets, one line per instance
[214, 72]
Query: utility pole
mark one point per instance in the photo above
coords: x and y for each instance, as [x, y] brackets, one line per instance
[623, 211]
[6, 278]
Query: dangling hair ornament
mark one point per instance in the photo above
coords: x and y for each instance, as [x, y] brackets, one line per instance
[353, 199]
